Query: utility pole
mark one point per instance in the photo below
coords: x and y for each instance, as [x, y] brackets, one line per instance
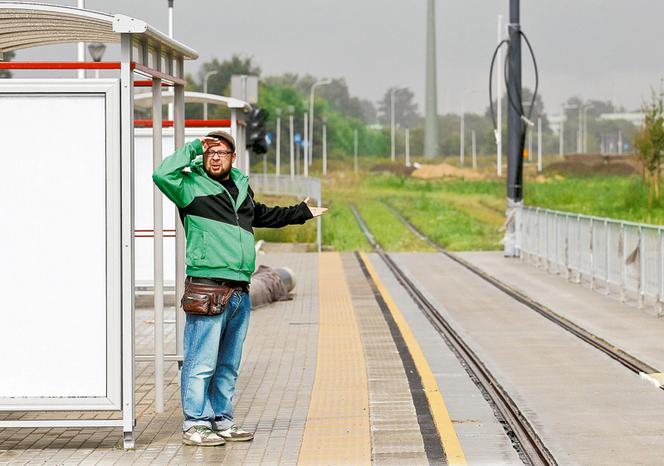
[431, 111]
[515, 128]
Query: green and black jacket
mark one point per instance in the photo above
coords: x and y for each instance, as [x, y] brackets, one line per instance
[219, 229]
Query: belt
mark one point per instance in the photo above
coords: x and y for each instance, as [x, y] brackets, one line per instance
[239, 286]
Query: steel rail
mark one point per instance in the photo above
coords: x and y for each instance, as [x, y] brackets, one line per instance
[630, 362]
[519, 429]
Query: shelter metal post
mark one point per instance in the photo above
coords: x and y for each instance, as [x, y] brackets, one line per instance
[178, 134]
[234, 126]
[127, 235]
[158, 241]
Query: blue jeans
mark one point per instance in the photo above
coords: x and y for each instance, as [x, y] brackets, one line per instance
[212, 354]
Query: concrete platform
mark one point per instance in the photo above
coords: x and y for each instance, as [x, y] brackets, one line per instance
[321, 382]
[326, 379]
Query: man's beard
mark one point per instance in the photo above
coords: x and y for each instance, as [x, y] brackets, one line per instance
[222, 174]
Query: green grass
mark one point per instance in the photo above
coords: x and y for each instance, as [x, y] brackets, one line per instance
[388, 230]
[618, 197]
[340, 230]
[449, 226]
[460, 215]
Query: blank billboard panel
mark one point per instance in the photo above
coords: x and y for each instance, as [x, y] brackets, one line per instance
[54, 272]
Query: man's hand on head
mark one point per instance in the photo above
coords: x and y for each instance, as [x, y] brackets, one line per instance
[208, 142]
[315, 211]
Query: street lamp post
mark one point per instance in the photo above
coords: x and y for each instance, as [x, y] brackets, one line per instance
[291, 109]
[205, 90]
[96, 50]
[324, 146]
[355, 150]
[393, 150]
[310, 149]
[584, 141]
[563, 118]
[408, 147]
[278, 141]
[306, 145]
[462, 129]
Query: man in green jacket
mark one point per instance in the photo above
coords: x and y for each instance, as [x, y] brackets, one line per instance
[218, 212]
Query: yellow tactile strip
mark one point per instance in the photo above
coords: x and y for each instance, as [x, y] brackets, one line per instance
[337, 430]
[441, 417]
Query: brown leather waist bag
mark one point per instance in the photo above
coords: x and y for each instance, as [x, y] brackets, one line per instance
[206, 299]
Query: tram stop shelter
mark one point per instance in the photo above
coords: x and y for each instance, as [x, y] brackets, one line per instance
[67, 242]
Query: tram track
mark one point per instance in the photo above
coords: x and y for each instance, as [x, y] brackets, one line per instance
[627, 360]
[522, 434]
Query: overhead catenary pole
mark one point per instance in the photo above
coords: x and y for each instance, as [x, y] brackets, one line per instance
[514, 133]
[431, 110]
[499, 100]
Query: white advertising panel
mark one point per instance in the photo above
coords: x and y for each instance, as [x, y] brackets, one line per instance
[59, 316]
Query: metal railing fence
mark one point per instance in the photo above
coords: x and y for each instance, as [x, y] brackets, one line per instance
[613, 256]
[285, 185]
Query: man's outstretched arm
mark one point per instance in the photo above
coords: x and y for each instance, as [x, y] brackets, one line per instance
[277, 217]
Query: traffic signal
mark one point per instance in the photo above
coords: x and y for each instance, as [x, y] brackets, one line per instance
[256, 141]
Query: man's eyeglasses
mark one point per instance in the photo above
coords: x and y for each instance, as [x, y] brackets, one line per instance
[222, 154]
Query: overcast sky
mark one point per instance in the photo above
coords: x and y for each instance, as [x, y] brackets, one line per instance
[600, 49]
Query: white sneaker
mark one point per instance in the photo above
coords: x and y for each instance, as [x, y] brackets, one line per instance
[202, 436]
[235, 434]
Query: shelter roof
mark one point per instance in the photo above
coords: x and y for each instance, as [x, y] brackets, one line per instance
[24, 25]
[144, 100]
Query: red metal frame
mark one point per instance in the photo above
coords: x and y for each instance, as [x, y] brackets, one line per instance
[86, 65]
[148, 83]
[188, 123]
[61, 65]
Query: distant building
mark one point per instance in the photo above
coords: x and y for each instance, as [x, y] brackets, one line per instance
[636, 118]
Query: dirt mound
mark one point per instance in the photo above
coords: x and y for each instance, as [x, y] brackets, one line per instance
[588, 168]
[445, 170]
[394, 168]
